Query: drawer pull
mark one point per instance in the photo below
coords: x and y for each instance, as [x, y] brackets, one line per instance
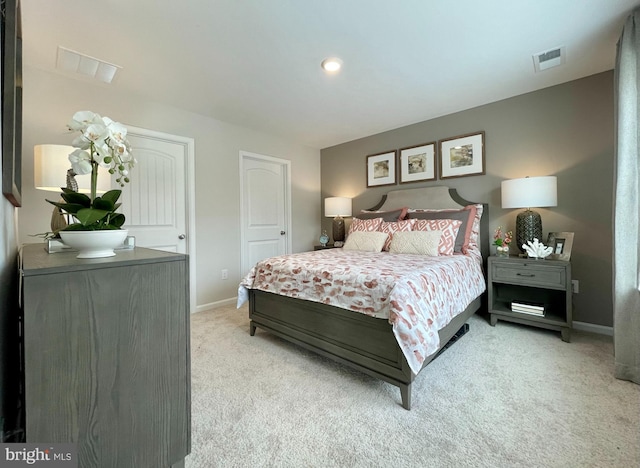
[527, 275]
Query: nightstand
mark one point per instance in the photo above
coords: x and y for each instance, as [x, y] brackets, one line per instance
[545, 283]
[323, 247]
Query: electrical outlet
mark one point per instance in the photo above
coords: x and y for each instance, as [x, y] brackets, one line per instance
[225, 274]
[575, 286]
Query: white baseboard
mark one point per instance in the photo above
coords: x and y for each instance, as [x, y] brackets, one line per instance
[215, 305]
[592, 328]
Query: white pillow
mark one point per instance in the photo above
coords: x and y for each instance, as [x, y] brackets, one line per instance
[416, 242]
[366, 241]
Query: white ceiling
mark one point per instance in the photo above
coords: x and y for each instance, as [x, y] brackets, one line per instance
[256, 63]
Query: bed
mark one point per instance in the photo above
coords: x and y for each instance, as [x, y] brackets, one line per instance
[365, 341]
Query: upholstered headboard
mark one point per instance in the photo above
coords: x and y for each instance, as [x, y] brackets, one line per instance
[437, 197]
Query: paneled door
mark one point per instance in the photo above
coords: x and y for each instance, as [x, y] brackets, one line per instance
[155, 202]
[265, 208]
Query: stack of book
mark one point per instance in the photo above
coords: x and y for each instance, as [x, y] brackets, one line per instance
[527, 308]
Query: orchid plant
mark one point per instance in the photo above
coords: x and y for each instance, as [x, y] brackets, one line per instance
[500, 239]
[101, 143]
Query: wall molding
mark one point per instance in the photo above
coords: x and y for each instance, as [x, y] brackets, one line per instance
[216, 304]
[593, 328]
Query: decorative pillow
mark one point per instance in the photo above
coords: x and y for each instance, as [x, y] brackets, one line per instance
[387, 216]
[366, 241]
[391, 228]
[416, 242]
[365, 225]
[474, 237]
[465, 215]
[448, 227]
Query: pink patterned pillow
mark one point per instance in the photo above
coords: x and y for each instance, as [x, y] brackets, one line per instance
[391, 228]
[365, 225]
[465, 215]
[474, 238]
[449, 228]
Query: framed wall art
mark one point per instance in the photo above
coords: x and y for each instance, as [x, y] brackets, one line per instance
[381, 169]
[418, 163]
[561, 242]
[11, 102]
[462, 156]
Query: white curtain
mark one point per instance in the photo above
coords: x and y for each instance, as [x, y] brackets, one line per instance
[626, 261]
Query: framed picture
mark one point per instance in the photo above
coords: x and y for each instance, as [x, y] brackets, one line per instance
[561, 243]
[12, 102]
[418, 163]
[462, 156]
[381, 169]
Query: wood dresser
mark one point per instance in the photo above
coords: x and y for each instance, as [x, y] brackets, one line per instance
[106, 355]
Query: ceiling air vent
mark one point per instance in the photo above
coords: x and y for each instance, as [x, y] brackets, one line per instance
[75, 62]
[549, 58]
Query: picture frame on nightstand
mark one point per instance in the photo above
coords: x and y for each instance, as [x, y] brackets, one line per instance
[562, 242]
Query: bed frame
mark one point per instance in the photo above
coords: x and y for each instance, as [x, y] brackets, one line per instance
[357, 340]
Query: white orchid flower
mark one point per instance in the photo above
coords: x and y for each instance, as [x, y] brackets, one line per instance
[117, 132]
[103, 142]
[80, 162]
[81, 142]
[102, 151]
[82, 119]
[96, 132]
[119, 149]
[128, 158]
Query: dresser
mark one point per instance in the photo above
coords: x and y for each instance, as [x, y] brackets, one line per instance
[106, 355]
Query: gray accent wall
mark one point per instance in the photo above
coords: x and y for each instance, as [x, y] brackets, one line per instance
[565, 130]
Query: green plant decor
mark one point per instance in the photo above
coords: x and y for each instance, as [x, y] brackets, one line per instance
[97, 215]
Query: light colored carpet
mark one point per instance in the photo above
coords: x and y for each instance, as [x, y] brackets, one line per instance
[504, 396]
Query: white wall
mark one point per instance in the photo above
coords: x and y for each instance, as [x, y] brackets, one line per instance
[51, 99]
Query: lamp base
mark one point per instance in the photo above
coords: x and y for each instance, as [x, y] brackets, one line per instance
[528, 227]
[338, 229]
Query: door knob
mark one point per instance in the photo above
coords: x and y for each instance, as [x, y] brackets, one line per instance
[181, 236]
[282, 233]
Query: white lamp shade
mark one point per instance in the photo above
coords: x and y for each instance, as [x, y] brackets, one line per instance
[50, 165]
[337, 206]
[530, 192]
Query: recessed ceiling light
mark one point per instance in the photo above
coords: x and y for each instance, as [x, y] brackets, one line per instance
[331, 64]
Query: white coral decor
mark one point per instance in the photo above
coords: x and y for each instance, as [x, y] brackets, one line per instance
[536, 249]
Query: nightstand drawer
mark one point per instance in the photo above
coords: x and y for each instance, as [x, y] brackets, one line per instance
[530, 274]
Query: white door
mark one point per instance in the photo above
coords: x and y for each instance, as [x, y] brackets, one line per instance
[159, 202]
[266, 207]
[155, 201]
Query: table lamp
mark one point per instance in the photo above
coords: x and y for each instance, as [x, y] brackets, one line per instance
[336, 208]
[52, 171]
[528, 192]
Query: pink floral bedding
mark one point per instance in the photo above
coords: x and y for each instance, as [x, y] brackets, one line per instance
[418, 294]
